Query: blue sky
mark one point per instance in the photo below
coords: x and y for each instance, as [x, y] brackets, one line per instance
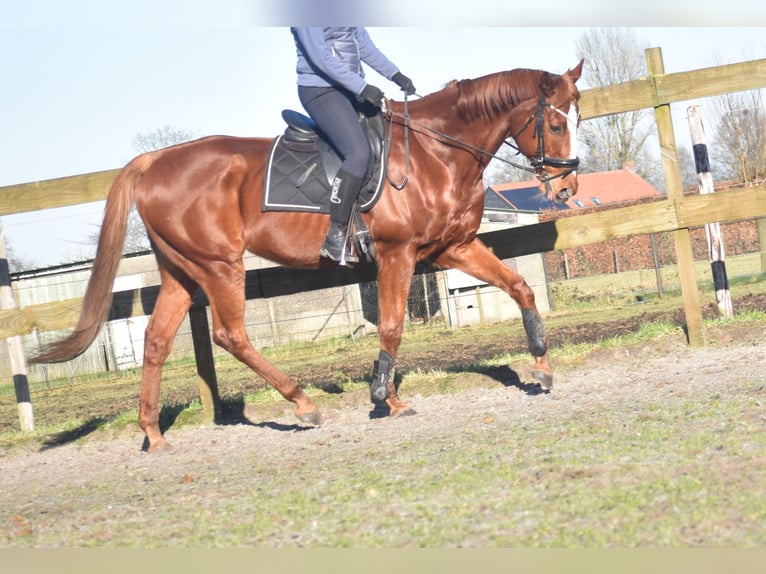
[80, 83]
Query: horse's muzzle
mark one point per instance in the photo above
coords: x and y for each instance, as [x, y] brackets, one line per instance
[561, 195]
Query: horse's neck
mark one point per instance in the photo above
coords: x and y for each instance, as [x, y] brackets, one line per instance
[486, 134]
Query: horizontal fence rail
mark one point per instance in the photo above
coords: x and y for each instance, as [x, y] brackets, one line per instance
[60, 192]
[665, 89]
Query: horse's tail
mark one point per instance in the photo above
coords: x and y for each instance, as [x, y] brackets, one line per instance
[98, 295]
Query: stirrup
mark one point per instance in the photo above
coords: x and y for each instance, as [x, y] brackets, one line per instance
[345, 256]
[361, 236]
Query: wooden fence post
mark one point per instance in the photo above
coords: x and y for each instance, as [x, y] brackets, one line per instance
[674, 187]
[715, 246]
[15, 348]
[203, 355]
[760, 225]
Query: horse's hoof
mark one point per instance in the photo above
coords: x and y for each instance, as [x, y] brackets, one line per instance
[402, 412]
[160, 446]
[312, 418]
[545, 379]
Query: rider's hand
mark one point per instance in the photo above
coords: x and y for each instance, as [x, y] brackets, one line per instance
[372, 94]
[404, 83]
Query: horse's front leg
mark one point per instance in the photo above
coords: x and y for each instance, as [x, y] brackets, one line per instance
[475, 259]
[394, 277]
[537, 340]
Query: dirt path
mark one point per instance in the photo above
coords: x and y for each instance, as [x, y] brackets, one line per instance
[247, 484]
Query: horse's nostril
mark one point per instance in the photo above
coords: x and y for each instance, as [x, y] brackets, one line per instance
[563, 194]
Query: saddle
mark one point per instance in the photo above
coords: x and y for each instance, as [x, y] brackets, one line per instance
[302, 166]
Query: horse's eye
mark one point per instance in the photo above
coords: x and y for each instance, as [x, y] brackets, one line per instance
[557, 130]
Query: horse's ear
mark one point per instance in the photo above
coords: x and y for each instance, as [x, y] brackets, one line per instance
[576, 72]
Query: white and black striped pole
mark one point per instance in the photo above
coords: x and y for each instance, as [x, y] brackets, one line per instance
[712, 230]
[15, 348]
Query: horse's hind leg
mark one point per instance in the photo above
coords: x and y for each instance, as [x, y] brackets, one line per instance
[173, 302]
[475, 259]
[224, 288]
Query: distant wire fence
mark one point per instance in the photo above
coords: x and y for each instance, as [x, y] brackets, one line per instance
[641, 266]
[642, 284]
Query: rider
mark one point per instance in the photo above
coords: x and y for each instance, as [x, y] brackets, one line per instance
[331, 85]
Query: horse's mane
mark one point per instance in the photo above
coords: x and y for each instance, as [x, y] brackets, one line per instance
[494, 94]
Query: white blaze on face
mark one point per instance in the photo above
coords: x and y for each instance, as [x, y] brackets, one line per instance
[572, 118]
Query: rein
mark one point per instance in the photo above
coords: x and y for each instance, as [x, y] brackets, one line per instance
[389, 138]
[538, 163]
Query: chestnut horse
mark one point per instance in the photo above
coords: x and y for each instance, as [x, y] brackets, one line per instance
[201, 204]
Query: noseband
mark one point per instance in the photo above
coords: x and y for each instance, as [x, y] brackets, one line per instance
[540, 161]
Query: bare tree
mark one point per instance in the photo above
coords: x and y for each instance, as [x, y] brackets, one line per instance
[740, 150]
[161, 138]
[136, 238]
[613, 56]
[15, 261]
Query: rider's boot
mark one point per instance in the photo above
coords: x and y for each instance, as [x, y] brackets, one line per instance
[345, 189]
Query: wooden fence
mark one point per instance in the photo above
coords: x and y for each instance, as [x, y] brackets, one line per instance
[676, 213]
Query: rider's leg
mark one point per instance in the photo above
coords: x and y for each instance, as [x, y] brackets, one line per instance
[337, 118]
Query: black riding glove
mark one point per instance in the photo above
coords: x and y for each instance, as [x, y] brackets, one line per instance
[404, 83]
[372, 94]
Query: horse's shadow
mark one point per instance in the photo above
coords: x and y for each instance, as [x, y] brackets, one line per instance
[168, 416]
[68, 436]
[508, 377]
[232, 411]
[504, 375]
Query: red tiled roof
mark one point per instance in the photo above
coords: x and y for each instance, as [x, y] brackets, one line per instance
[595, 188]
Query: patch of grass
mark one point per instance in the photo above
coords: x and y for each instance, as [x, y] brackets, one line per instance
[432, 382]
[748, 315]
[639, 287]
[622, 478]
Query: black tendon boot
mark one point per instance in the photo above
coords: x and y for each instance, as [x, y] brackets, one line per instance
[382, 373]
[345, 189]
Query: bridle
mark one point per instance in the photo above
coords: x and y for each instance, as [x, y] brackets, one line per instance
[540, 160]
[538, 164]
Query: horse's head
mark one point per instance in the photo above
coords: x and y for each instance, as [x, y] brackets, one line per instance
[545, 130]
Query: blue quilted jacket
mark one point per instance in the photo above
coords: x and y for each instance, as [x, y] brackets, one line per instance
[334, 56]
